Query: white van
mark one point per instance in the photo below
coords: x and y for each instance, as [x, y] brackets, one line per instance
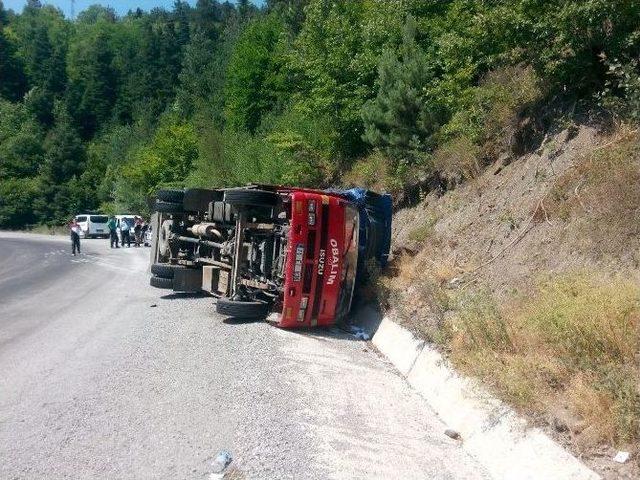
[92, 225]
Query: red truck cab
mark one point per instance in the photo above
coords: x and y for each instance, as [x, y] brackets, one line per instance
[321, 260]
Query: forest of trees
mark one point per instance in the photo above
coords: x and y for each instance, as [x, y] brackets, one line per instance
[99, 111]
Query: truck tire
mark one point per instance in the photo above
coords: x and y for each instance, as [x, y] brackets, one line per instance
[250, 198]
[171, 195]
[168, 207]
[164, 249]
[165, 283]
[232, 308]
[165, 270]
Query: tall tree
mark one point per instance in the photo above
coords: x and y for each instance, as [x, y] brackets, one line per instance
[254, 75]
[20, 142]
[64, 159]
[402, 117]
[12, 78]
[92, 78]
[333, 60]
[41, 42]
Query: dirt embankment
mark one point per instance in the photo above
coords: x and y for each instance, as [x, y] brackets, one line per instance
[528, 277]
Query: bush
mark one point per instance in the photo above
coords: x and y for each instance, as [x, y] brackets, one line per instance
[16, 201]
[377, 172]
[489, 116]
[457, 160]
[305, 144]
[621, 94]
[165, 161]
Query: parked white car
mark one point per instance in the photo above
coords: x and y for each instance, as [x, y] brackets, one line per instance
[130, 219]
[92, 225]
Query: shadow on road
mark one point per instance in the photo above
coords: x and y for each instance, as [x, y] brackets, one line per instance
[241, 321]
[177, 295]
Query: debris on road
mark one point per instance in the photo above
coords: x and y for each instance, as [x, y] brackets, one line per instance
[621, 457]
[358, 332]
[221, 462]
[452, 434]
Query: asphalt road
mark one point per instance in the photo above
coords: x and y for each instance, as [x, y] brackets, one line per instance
[103, 377]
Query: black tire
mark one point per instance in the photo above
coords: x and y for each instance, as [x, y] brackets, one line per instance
[232, 308]
[250, 198]
[169, 207]
[165, 283]
[171, 195]
[165, 270]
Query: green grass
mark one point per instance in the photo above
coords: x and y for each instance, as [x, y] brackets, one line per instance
[425, 231]
[48, 229]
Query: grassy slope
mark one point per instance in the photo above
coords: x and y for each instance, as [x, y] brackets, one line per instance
[528, 276]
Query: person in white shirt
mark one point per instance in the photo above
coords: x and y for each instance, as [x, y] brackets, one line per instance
[74, 229]
[124, 231]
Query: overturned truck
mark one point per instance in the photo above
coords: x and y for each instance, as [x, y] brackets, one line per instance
[292, 254]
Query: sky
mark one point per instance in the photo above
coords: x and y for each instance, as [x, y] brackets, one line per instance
[120, 6]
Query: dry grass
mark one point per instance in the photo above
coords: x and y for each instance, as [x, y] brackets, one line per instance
[425, 231]
[415, 287]
[570, 349]
[49, 230]
[602, 193]
[457, 160]
[574, 340]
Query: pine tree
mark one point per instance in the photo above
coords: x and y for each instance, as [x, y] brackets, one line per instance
[93, 86]
[401, 118]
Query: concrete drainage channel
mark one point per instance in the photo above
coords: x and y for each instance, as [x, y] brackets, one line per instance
[490, 431]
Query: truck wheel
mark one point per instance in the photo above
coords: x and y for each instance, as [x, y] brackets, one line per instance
[250, 198]
[169, 207]
[165, 283]
[164, 249]
[232, 308]
[171, 195]
[165, 270]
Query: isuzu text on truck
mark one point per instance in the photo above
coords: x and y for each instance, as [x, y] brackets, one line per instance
[262, 249]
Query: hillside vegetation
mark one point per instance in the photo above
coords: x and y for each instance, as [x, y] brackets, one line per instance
[528, 277]
[99, 111]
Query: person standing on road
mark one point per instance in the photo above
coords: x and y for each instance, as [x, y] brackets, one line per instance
[74, 230]
[143, 234]
[137, 231]
[124, 231]
[113, 234]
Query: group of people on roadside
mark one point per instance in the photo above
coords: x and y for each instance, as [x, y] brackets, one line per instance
[128, 233]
